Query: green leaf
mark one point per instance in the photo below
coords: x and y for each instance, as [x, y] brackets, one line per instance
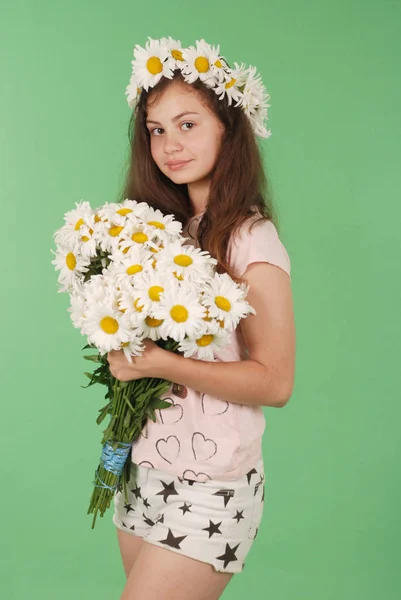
[103, 413]
[92, 380]
[87, 346]
[92, 357]
[127, 421]
[159, 403]
[151, 414]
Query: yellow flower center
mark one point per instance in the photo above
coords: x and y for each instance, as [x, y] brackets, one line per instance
[179, 313]
[183, 260]
[154, 263]
[157, 224]
[154, 250]
[137, 307]
[139, 237]
[154, 65]
[205, 340]
[115, 230]
[71, 261]
[134, 269]
[124, 211]
[85, 238]
[151, 322]
[97, 219]
[177, 54]
[218, 64]
[179, 277]
[154, 292]
[223, 303]
[202, 64]
[109, 325]
[124, 344]
[79, 224]
[221, 323]
[230, 83]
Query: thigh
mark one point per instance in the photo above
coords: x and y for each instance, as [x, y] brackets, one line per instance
[160, 574]
[215, 522]
[130, 546]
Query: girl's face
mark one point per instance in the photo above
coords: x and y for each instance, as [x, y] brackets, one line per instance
[183, 129]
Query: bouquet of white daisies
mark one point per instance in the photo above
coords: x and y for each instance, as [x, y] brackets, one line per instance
[130, 276]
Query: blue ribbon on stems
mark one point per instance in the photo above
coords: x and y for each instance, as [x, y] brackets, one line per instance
[113, 461]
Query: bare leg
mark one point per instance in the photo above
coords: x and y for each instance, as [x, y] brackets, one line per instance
[130, 546]
[161, 574]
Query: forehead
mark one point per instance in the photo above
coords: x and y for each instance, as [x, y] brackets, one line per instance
[176, 98]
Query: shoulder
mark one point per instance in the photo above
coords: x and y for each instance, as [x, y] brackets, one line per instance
[257, 240]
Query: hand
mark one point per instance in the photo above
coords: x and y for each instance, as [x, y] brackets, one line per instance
[142, 366]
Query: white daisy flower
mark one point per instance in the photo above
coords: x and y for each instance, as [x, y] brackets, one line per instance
[152, 63]
[219, 66]
[75, 219]
[108, 236]
[254, 94]
[258, 123]
[113, 218]
[181, 312]
[132, 208]
[72, 267]
[134, 347]
[148, 288]
[204, 346]
[109, 227]
[136, 233]
[132, 91]
[185, 262]
[164, 226]
[175, 49]
[114, 212]
[101, 288]
[149, 327]
[106, 327]
[225, 300]
[128, 264]
[87, 242]
[130, 305]
[198, 63]
[77, 309]
[229, 86]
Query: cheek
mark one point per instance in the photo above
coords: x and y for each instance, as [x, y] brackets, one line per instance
[211, 142]
[208, 149]
[156, 151]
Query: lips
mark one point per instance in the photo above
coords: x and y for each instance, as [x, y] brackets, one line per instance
[176, 163]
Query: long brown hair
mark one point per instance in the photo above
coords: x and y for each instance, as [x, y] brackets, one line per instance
[239, 187]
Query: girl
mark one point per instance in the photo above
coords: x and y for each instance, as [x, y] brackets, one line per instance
[197, 484]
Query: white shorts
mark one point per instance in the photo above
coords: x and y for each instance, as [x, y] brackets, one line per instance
[213, 521]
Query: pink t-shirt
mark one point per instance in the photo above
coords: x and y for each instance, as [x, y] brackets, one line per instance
[199, 436]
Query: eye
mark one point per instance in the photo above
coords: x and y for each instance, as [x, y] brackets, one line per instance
[151, 131]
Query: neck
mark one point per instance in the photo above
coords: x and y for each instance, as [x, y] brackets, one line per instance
[198, 192]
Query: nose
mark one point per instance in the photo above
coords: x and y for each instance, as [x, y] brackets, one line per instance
[171, 143]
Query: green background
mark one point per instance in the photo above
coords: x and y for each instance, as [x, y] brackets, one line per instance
[331, 526]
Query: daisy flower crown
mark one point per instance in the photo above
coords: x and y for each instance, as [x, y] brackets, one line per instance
[160, 58]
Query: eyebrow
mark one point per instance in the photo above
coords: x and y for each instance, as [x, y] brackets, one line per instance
[174, 118]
